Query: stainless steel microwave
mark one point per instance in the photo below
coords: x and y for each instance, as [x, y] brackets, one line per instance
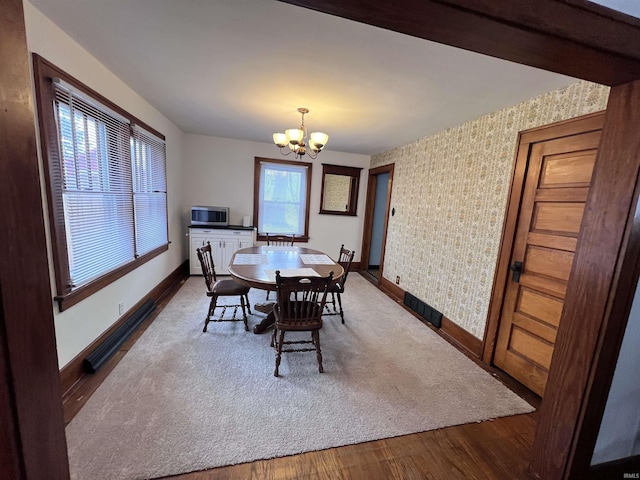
[211, 216]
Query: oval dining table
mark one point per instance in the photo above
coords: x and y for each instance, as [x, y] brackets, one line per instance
[255, 267]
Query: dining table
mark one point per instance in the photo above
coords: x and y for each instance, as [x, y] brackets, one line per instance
[256, 267]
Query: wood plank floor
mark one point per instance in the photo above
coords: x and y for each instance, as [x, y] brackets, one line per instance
[491, 450]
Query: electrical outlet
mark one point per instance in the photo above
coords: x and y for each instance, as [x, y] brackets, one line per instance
[398, 280]
[120, 308]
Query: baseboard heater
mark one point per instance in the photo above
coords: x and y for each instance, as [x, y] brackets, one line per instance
[425, 311]
[103, 352]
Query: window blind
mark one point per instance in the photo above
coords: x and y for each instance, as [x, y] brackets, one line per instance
[95, 165]
[149, 190]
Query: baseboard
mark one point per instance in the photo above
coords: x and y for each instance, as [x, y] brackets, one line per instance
[623, 468]
[393, 290]
[459, 336]
[355, 266]
[71, 373]
[449, 330]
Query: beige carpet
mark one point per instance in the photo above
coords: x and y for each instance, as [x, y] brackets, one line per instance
[182, 400]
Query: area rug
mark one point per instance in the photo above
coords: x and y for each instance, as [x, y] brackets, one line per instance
[182, 400]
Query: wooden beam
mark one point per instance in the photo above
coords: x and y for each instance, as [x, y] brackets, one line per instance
[601, 287]
[571, 38]
[32, 442]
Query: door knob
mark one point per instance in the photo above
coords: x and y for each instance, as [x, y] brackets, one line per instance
[516, 268]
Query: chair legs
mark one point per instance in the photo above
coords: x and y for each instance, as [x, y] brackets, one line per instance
[315, 336]
[277, 341]
[246, 296]
[212, 308]
[340, 305]
[244, 304]
[330, 306]
[279, 344]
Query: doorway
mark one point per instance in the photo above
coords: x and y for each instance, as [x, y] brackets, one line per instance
[376, 221]
[552, 177]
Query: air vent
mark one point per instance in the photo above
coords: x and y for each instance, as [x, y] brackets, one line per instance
[108, 347]
[428, 313]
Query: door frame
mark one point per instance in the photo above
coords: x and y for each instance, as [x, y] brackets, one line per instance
[526, 138]
[495, 28]
[367, 228]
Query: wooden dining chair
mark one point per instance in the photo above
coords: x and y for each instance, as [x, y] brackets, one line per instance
[279, 240]
[336, 288]
[222, 288]
[300, 304]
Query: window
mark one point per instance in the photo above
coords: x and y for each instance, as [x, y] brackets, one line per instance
[281, 197]
[106, 185]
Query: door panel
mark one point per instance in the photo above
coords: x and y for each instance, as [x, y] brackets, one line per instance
[535, 304]
[557, 217]
[555, 191]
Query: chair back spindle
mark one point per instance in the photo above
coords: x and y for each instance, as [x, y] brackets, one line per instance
[280, 240]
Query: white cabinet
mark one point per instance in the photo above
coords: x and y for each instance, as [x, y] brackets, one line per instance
[224, 243]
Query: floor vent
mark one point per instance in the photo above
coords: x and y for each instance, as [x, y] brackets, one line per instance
[430, 314]
[108, 347]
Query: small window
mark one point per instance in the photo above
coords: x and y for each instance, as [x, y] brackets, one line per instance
[106, 185]
[281, 197]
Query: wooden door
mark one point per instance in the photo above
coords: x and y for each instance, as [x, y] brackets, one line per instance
[555, 191]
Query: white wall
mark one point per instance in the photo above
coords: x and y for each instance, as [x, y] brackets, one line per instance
[81, 324]
[219, 171]
[619, 435]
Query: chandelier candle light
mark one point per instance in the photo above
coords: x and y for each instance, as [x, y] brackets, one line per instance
[294, 138]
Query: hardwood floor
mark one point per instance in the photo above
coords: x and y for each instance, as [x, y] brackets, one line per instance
[492, 450]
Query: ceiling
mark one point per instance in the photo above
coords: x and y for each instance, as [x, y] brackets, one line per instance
[629, 7]
[240, 69]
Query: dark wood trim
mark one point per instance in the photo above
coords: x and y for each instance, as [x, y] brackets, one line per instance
[599, 294]
[24, 237]
[616, 469]
[354, 173]
[73, 371]
[590, 122]
[526, 138]
[391, 289]
[48, 70]
[355, 266]
[32, 438]
[367, 229]
[256, 195]
[450, 331]
[66, 297]
[542, 34]
[79, 294]
[460, 337]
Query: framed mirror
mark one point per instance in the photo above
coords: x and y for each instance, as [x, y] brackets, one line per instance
[339, 193]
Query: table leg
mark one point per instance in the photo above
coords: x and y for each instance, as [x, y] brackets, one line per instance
[268, 320]
[265, 323]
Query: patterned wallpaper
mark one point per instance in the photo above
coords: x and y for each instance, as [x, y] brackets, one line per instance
[450, 193]
[336, 192]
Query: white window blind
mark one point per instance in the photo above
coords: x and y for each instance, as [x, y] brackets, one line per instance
[96, 187]
[149, 190]
[113, 187]
[283, 195]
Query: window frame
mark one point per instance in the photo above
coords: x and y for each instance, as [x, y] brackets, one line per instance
[43, 72]
[256, 194]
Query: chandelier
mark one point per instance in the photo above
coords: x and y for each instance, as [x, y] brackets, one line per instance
[294, 138]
